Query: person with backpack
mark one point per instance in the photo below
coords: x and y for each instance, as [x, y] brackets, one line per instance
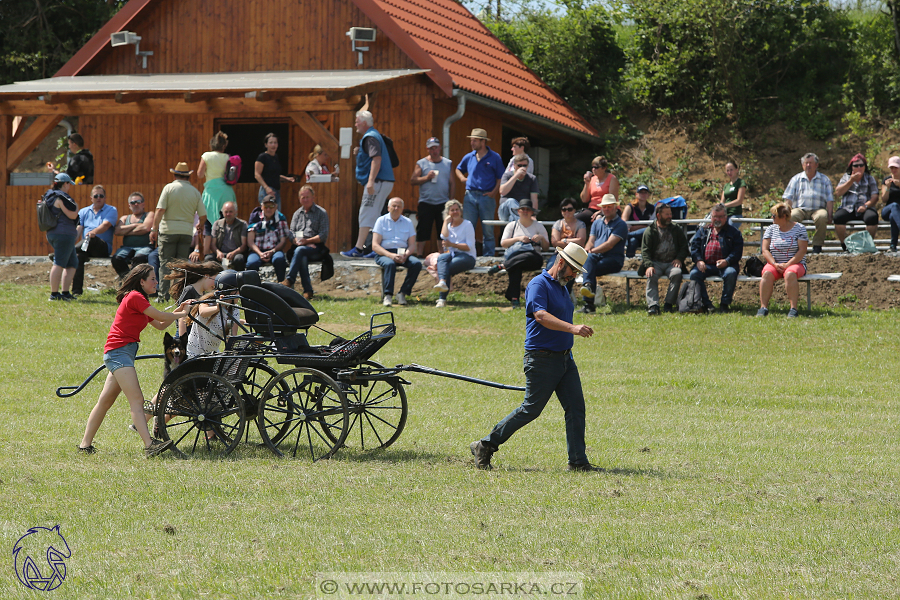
[216, 191]
[62, 237]
[375, 172]
[716, 251]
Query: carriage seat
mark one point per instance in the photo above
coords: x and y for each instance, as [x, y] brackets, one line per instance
[260, 304]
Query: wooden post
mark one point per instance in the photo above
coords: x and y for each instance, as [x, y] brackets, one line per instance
[5, 135]
[345, 219]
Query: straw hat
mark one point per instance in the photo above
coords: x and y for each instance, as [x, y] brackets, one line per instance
[181, 169]
[575, 255]
[479, 134]
[608, 199]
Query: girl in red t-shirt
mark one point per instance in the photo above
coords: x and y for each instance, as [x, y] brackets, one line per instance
[132, 316]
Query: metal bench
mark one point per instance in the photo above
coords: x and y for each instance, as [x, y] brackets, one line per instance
[807, 279]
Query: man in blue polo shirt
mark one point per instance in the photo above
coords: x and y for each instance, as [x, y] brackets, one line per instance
[549, 365]
[481, 170]
[97, 223]
[606, 245]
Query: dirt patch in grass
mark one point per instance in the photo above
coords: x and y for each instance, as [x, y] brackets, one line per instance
[863, 285]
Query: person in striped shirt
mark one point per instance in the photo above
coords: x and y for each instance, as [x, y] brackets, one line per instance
[784, 250]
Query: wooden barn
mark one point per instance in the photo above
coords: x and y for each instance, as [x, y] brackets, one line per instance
[286, 66]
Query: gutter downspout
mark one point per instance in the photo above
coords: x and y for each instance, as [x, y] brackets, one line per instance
[460, 111]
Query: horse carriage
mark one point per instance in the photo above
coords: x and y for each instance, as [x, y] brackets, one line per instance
[305, 400]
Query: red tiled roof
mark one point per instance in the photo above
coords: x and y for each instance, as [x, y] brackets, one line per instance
[439, 35]
[444, 34]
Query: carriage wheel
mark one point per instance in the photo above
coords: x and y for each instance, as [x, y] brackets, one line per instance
[258, 376]
[205, 415]
[377, 410]
[308, 409]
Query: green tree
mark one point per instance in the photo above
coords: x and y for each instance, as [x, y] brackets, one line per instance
[737, 59]
[37, 37]
[574, 50]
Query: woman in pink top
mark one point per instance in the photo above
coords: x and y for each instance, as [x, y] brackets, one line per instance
[597, 183]
[132, 316]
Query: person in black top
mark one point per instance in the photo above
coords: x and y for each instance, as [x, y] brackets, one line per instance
[639, 210]
[267, 171]
[81, 164]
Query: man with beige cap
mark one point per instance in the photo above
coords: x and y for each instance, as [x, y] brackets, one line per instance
[549, 365]
[480, 171]
[606, 246]
[173, 223]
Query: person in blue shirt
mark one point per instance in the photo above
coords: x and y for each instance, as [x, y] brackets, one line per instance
[97, 223]
[480, 171]
[375, 174]
[393, 240]
[549, 364]
[606, 246]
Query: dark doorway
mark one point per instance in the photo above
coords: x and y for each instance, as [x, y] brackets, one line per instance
[247, 140]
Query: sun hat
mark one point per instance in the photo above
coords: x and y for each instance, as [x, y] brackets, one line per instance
[181, 169]
[526, 203]
[575, 255]
[608, 199]
[479, 134]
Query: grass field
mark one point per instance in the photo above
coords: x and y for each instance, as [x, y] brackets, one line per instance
[746, 458]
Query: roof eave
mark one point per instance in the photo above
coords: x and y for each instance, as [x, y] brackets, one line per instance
[96, 44]
[407, 44]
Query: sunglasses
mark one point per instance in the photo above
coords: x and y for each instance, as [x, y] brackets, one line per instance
[131, 202]
[596, 167]
[95, 196]
[858, 165]
[568, 209]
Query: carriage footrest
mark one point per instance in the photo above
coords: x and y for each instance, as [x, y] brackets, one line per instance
[294, 343]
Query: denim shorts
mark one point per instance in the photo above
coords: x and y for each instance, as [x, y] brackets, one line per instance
[63, 250]
[120, 357]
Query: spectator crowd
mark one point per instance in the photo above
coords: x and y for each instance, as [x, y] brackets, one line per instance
[194, 225]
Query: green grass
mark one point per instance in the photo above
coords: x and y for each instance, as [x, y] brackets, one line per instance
[746, 458]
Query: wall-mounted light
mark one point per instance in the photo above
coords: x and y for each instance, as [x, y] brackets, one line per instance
[360, 35]
[124, 38]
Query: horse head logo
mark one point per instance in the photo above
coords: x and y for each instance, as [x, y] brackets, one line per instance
[50, 549]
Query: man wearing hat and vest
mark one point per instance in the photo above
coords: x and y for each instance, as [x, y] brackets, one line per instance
[549, 365]
[481, 170]
[173, 223]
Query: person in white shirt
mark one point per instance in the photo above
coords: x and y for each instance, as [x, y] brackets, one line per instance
[458, 245]
[392, 238]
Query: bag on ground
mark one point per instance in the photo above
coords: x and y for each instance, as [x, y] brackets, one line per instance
[860, 242]
[690, 300]
[46, 219]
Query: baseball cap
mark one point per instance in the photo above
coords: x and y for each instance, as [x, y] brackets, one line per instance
[432, 142]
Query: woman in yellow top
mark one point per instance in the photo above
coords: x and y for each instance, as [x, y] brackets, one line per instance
[215, 191]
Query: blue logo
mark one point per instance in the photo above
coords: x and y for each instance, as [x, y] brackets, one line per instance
[39, 558]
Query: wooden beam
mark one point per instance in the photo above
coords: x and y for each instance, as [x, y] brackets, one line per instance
[318, 132]
[29, 139]
[126, 97]
[370, 88]
[176, 106]
[266, 96]
[191, 97]
[5, 130]
[56, 98]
